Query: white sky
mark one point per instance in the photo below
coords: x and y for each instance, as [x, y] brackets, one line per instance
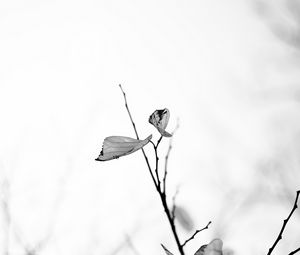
[214, 64]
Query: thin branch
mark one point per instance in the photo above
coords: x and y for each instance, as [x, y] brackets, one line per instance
[137, 136]
[126, 105]
[279, 237]
[171, 221]
[156, 164]
[295, 251]
[158, 142]
[196, 232]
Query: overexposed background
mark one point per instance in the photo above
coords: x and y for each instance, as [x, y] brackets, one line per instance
[229, 70]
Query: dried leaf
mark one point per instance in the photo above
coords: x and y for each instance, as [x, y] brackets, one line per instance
[166, 250]
[118, 146]
[213, 248]
[160, 119]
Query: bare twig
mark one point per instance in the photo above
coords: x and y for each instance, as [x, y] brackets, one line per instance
[158, 141]
[279, 237]
[156, 164]
[295, 251]
[156, 161]
[126, 105]
[196, 232]
[137, 136]
[171, 222]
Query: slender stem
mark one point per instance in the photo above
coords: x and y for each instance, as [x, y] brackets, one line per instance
[137, 136]
[172, 222]
[279, 237]
[159, 140]
[196, 232]
[126, 105]
[156, 162]
[295, 251]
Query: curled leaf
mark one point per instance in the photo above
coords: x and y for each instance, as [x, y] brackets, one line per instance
[213, 248]
[160, 119]
[118, 146]
[166, 250]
